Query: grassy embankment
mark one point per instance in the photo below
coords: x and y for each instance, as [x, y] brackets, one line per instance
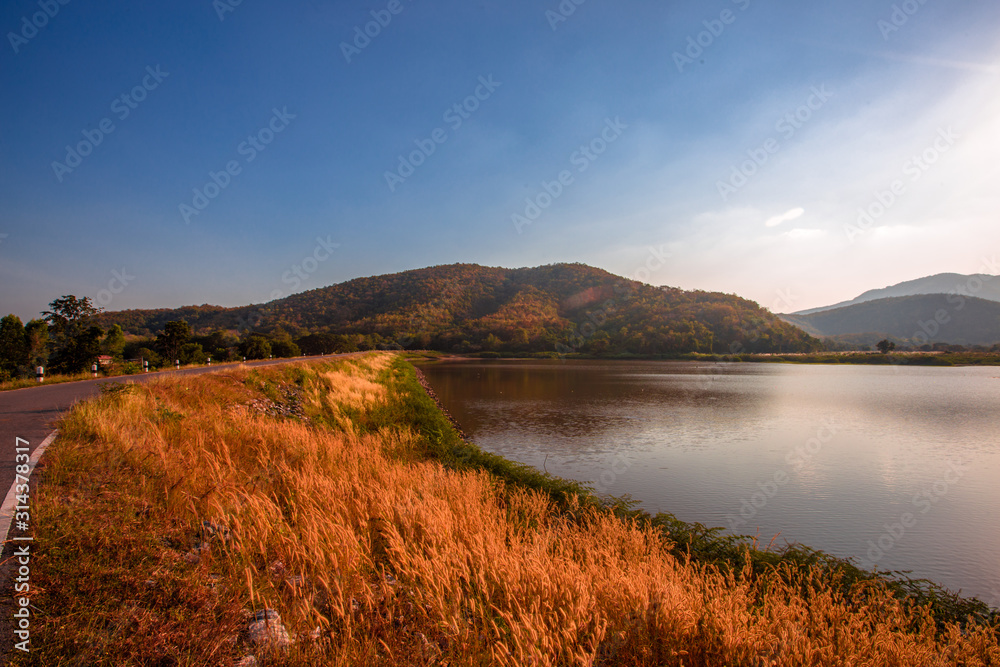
[341, 497]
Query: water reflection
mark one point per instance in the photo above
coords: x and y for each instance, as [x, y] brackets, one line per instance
[708, 442]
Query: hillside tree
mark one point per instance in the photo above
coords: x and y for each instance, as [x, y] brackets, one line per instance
[74, 338]
[13, 346]
[36, 336]
[174, 336]
[113, 344]
[255, 346]
[885, 346]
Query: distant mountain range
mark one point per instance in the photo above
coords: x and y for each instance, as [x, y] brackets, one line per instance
[467, 308]
[978, 285]
[944, 308]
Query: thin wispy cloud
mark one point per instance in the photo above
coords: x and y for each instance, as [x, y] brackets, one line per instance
[982, 68]
[787, 216]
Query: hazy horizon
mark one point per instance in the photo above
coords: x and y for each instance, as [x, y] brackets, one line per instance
[232, 153]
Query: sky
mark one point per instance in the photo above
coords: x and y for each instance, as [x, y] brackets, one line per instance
[232, 152]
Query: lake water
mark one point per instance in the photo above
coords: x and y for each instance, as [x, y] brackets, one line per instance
[897, 467]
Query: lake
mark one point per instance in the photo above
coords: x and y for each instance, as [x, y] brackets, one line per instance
[895, 466]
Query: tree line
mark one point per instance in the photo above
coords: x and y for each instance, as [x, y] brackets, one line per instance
[67, 339]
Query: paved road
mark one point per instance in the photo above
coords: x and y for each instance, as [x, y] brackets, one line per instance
[30, 413]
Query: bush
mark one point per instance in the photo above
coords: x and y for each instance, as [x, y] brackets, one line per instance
[146, 354]
[285, 348]
[256, 346]
[192, 353]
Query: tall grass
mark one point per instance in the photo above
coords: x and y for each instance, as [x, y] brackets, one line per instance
[382, 539]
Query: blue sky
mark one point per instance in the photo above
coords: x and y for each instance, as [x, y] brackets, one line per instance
[723, 145]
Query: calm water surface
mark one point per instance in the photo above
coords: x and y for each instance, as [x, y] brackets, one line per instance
[897, 467]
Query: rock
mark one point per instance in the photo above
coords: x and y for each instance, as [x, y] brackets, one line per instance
[195, 554]
[215, 529]
[265, 615]
[267, 630]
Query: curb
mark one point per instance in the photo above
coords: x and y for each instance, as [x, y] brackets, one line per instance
[10, 501]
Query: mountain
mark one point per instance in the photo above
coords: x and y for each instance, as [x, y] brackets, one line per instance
[918, 319]
[466, 307]
[978, 285]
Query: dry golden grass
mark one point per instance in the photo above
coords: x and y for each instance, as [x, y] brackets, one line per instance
[395, 559]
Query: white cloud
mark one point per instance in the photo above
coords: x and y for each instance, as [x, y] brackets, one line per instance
[787, 216]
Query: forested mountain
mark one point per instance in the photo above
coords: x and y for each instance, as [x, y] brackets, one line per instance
[918, 320]
[468, 308]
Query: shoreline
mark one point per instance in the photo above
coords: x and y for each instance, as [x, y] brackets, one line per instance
[418, 523]
[839, 358]
[708, 540]
[422, 380]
